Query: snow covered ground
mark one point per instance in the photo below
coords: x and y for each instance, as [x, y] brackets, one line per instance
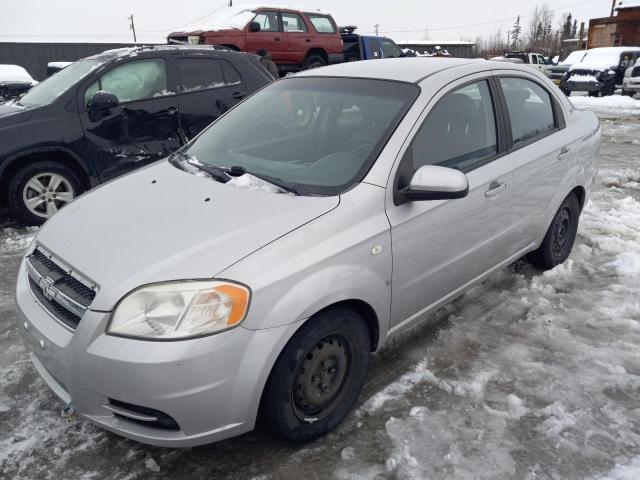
[529, 376]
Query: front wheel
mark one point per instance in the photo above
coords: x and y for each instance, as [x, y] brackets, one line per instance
[559, 239]
[318, 376]
[38, 190]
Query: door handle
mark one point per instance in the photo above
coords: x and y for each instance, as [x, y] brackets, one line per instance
[495, 188]
[238, 95]
[564, 153]
[277, 39]
[307, 40]
[169, 112]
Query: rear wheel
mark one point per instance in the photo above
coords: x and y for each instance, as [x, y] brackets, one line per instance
[560, 236]
[314, 60]
[318, 376]
[38, 190]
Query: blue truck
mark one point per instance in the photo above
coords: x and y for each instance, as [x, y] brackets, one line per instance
[365, 47]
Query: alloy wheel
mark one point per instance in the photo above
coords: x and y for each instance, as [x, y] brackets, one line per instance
[46, 193]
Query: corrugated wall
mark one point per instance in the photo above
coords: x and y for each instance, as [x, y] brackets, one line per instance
[35, 56]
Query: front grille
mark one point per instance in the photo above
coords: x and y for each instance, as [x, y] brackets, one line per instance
[67, 284]
[70, 319]
[163, 421]
[65, 297]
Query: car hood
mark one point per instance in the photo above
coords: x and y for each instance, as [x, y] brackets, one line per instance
[161, 223]
[11, 113]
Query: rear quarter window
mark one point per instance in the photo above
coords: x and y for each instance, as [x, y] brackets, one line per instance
[322, 23]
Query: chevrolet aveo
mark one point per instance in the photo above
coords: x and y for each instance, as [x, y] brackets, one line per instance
[252, 273]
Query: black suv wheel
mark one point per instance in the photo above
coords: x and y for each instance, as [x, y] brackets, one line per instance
[318, 376]
[38, 190]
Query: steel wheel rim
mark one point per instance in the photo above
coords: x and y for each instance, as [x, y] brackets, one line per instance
[321, 378]
[561, 231]
[46, 193]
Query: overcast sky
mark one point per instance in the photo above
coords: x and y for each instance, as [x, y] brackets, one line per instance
[90, 20]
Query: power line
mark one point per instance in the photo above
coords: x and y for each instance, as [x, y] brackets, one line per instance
[226, 3]
[454, 27]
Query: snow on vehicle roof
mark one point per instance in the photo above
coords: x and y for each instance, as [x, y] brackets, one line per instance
[14, 73]
[602, 58]
[507, 59]
[58, 64]
[238, 16]
[574, 57]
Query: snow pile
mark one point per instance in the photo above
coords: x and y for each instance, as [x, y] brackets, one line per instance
[630, 471]
[582, 78]
[250, 182]
[611, 105]
[14, 73]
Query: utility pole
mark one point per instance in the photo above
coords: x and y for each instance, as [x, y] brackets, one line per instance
[426, 32]
[231, 3]
[613, 6]
[132, 26]
[377, 26]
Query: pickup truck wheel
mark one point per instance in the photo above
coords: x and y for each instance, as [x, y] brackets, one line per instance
[318, 376]
[38, 190]
[314, 60]
[558, 241]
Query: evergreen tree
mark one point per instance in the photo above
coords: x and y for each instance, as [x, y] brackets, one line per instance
[566, 28]
[574, 29]
[515, 33]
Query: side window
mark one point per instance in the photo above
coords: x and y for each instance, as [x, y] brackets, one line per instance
[322, 23]
[268, 21]
[200, 74]
[372, 48]
[231, 75]
[132, 81]
[459, 132]
[534, 59]
[292, 22]
[390, 49]
[530, 108]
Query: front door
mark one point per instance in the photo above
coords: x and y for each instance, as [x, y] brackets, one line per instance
[143, 128]
[441, 245]
[208, 87]
[270, 36]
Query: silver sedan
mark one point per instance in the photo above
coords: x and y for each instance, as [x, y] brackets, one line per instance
[255, 270]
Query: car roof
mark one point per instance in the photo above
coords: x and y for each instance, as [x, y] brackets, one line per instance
[145, 50]
[411, 70]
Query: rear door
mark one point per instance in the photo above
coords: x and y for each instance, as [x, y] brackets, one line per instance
[297, 36]
[441, 245]
[538, 152]
[270, 36]
[143, 128]
[371, 47]
[207, 88]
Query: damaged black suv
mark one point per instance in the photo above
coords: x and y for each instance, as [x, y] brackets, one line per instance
[109, 114]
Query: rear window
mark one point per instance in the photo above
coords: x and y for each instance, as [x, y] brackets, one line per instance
[322, 23]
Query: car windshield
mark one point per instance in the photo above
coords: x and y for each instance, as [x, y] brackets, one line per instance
[317, 135]
[574, 57]
[50, 89]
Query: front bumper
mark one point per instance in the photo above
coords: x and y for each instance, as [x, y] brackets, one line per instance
[585, 86]
[210, 386]
[631, 87]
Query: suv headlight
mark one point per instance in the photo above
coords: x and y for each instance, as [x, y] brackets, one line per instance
[180, 310]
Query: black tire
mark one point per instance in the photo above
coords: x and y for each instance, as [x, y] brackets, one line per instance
[609, 88]
[597, 93]
[18, 183]
[314, 60]
[317, 377]
[560, 236]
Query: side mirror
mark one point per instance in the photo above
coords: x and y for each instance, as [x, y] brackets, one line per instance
[431, 182]
[254, 27]
[103, 101]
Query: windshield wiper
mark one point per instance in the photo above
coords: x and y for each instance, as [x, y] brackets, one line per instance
[236, 171]
[218, 173]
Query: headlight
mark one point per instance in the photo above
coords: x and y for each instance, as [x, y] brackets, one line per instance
[179, 310]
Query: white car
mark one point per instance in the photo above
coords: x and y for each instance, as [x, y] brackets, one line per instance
[251, 275]
[631, 81]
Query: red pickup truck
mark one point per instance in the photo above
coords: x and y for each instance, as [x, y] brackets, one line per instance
[296, 39]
